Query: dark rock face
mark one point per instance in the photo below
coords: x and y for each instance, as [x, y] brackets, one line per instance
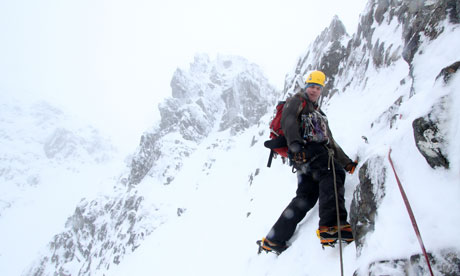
[382, 8]
[330, 65]
[325, 54]
[329, 54]
[144, 159]
[430, 130]
[419, 18]
[366, 199]
[445, 262]
[329, 62]
[447, 72]
[416, 18]
[430, 139]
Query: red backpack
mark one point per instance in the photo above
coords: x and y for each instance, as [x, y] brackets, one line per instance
[278, 143]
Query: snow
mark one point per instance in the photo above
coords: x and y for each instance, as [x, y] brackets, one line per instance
[229, 197]
[39, 193]
[215, 236]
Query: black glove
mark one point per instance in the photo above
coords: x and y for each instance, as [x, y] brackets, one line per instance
[350, 167]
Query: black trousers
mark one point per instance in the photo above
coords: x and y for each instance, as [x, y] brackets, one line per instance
[315, 181]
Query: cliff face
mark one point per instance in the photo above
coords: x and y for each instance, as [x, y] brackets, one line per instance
[346, 59]
[325, 54]
[226, 94]
[396, 50]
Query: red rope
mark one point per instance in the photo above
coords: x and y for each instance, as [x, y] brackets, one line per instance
[411, 214]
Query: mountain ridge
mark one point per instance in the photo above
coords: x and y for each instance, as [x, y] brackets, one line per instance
[198, 176]
[104, 229]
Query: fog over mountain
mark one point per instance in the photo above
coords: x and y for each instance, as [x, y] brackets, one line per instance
[196, 194]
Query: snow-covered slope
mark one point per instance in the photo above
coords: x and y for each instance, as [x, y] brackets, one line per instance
[381, 80]
[197, 193]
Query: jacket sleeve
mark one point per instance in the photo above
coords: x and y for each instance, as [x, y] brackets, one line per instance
[290, 121]
[340, 155]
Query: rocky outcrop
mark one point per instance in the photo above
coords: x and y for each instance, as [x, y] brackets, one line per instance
[100, 233]
[226, 94]
[430, 131]
[343, 58]
[146, 156]
[416, 18]
[336, 52]
[445, 262]
[423, 18]
[325, 54]
[447, 72]
[429, 135]
[366, 199]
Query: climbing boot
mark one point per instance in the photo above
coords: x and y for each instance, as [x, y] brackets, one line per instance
[328, 236]
[269, 246]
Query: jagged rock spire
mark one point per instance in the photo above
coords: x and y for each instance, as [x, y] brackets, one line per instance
[324, 54]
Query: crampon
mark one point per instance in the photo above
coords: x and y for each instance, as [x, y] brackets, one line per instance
[268, 246]
[329, 236]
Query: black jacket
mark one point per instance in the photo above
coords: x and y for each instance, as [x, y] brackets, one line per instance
[291, 125]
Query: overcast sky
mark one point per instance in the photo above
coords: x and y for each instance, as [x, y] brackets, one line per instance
[106, 55]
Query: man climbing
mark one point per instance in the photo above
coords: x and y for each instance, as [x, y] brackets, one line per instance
[312, 150]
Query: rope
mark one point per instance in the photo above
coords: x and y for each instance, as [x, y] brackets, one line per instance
[411, 214]
[331, 160]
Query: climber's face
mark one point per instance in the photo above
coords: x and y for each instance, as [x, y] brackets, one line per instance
[313, 92]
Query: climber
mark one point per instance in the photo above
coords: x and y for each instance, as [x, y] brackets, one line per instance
[311, 145]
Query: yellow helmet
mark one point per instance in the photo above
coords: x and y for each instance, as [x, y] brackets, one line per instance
[316, 77]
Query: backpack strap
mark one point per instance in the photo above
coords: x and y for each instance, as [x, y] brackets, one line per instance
[301, 107]
[302, 100]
